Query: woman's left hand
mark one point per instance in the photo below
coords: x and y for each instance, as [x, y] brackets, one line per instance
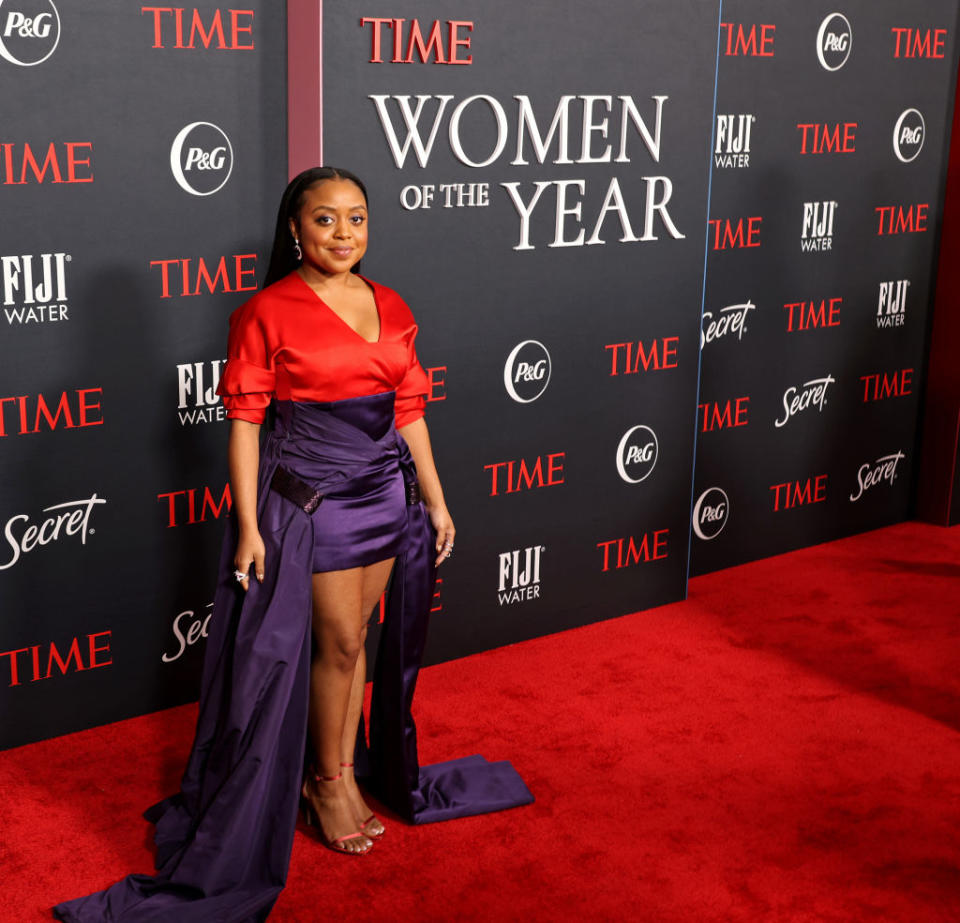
[445, 532]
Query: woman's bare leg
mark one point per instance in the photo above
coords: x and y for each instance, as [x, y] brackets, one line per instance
[375, 578]
[337, 628]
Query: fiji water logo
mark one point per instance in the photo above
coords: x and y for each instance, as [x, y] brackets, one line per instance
[520, 575]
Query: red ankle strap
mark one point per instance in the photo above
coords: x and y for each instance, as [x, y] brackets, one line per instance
[319, 778]
[347, 765]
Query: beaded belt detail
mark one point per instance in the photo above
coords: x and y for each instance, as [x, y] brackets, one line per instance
[296, 491]
[413, 493]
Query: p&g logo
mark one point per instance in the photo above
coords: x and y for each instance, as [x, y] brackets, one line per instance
[637, 454]
[201, 158]
[908, 135]
[29, 31]
[526, 372]
[834, 41]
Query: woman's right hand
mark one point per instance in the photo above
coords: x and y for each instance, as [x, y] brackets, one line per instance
[250, 550]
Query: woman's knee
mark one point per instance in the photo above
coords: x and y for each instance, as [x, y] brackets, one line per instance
[340, 649]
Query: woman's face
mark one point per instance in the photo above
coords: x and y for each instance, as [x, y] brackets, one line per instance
[332, 226]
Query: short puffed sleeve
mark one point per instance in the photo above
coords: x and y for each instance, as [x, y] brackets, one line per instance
[248, 382]
[413, 389]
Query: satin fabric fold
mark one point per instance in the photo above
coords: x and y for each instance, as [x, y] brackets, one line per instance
[224, 840]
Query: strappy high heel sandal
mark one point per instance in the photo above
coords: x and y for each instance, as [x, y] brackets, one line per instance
[337, 844]
[377, 829]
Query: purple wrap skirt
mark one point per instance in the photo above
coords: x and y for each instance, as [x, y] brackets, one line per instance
[362, 516]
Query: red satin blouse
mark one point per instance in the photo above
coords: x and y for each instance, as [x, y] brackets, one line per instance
[286, 342]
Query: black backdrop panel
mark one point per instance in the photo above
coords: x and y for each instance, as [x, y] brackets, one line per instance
[533, 300]
[831, 146]
[119, 265]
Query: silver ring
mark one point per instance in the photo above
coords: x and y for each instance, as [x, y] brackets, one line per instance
[259, 576]
[239, 575]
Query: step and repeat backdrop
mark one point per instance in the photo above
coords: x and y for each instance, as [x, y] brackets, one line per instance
[830, 151]
[142, 154]
[548, 183]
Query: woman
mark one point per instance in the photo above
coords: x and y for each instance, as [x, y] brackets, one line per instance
[340, 337]
[324, 510]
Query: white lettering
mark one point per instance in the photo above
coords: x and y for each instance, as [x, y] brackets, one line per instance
[191, 383]
[74, 521]
[559, 126]
[813, 394]
[520, 574]
[198, 628]
[525, 211]
[871, 474]
[595, 128]
[732, 319]
[457, 146]
[563, 211]
[18, 274]
[614, 202]
[658, 192]
[25, 27]
[412, 122]
[590, 127]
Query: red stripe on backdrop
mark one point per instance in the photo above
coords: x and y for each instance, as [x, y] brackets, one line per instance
[304, 84]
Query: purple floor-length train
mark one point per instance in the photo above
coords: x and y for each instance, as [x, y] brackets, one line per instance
[224, 841]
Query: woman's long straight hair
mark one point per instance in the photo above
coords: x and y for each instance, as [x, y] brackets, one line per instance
[283, 260]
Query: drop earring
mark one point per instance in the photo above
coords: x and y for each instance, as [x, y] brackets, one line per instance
[297, 252]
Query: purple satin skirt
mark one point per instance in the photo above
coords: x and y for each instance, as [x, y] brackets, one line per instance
[363, 515]
[224, 840]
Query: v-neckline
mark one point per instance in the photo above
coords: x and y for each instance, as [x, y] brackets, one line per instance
[376, 306]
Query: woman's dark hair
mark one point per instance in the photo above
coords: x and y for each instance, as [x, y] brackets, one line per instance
[282, 258]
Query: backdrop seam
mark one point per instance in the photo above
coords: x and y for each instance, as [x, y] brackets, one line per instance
[703, 303]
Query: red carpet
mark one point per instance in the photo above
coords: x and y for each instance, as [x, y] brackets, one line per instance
[783, 746]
